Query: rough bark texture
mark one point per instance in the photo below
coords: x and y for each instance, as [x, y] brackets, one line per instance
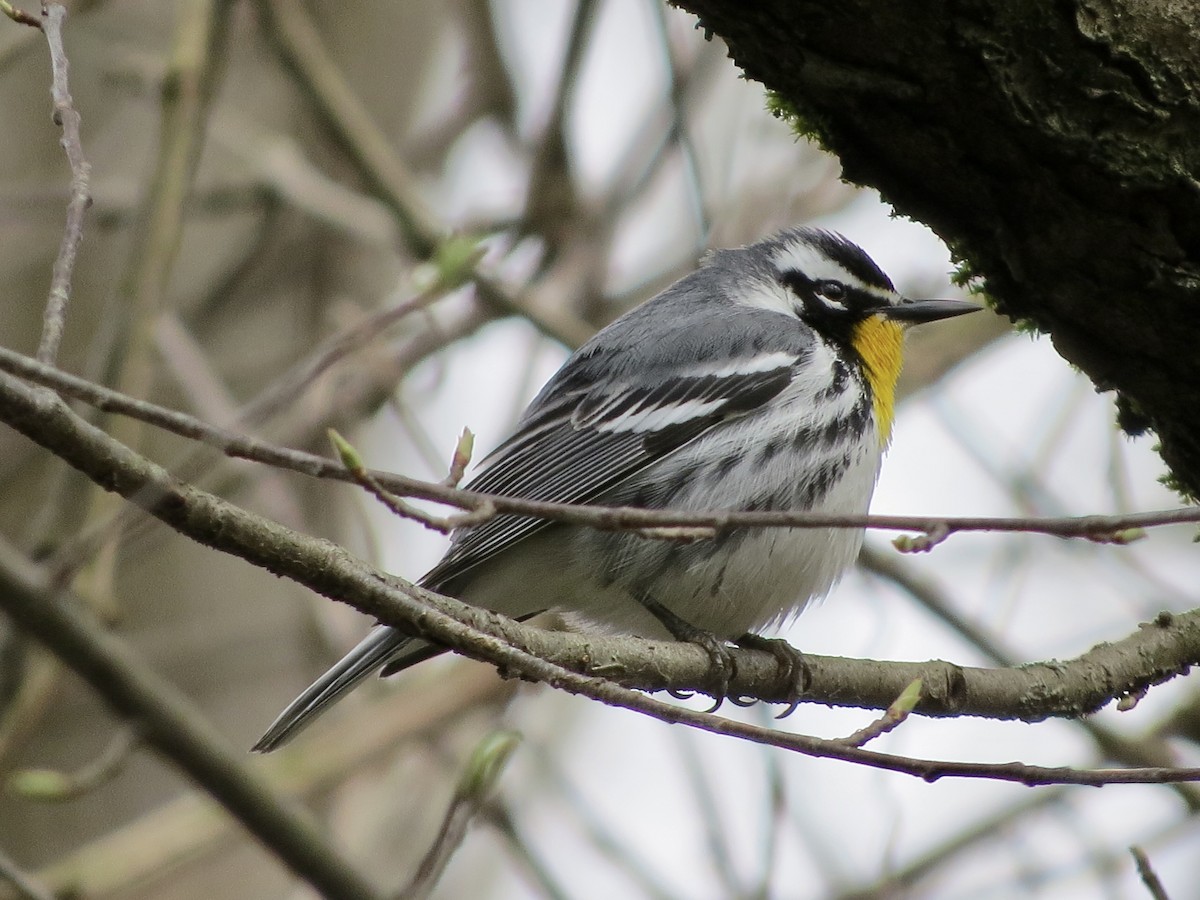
[1054, 145]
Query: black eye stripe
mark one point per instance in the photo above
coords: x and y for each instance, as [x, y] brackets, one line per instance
[854, 299]
[863, 300]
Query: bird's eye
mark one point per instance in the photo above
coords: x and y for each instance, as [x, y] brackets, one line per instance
[832, 290]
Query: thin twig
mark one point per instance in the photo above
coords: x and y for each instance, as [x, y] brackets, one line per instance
[475, 784]
[354, 465]
[19, 15]
[1149, 877]
[54, 786]
[894, 716]
[1127, 750]
[603, 517]
[67, 117]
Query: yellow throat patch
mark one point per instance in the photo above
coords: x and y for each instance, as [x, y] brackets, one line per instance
[880, 343]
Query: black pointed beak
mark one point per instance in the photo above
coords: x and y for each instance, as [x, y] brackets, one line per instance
[917, 311]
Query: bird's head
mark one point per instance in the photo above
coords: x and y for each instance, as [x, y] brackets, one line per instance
[834, 287]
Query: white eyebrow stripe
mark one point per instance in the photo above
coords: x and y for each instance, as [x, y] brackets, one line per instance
[813, 264]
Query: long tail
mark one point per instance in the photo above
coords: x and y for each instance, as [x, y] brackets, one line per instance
[382, 646]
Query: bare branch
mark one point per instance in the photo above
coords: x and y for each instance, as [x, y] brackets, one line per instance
[66, 116]
[236, 445]
[1149, 877]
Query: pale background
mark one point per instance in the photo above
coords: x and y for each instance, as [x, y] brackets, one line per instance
[283, 246]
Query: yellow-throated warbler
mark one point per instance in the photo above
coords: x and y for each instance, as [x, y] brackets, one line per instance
[764, 380]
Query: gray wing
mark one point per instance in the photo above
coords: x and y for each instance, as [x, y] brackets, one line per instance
[588, 432]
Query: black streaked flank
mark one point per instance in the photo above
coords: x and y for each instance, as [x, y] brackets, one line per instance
[840, 379]
[834, 431]
[857, 420]
[724, 466]
[770, 449]
[804, 438]
[829, 474]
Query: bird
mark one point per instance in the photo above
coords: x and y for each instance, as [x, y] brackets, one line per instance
[764, 379]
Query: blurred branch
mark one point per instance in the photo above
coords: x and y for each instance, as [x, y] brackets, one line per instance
[1149, 877]
[186, 92]
[299, 43]
[476, 783]
[24, 886]
[191, 826]
[283, 169]
[539, 874]
[52, 785]
[551, 205]
[286, 388]
[67, 117]
[166, 721]
[489, 93]
[989, 828]
[187, 89]
[708, 814]
[621, 849]
[535, 654]
[361, 390]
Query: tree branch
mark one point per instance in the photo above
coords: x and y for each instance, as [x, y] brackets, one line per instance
[665, 524]
[66, 116]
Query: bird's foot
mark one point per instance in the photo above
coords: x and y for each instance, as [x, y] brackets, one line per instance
[722, 667]
[793, 666]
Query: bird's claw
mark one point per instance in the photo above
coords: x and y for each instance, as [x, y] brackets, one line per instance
[793, 667]
[722, 668]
